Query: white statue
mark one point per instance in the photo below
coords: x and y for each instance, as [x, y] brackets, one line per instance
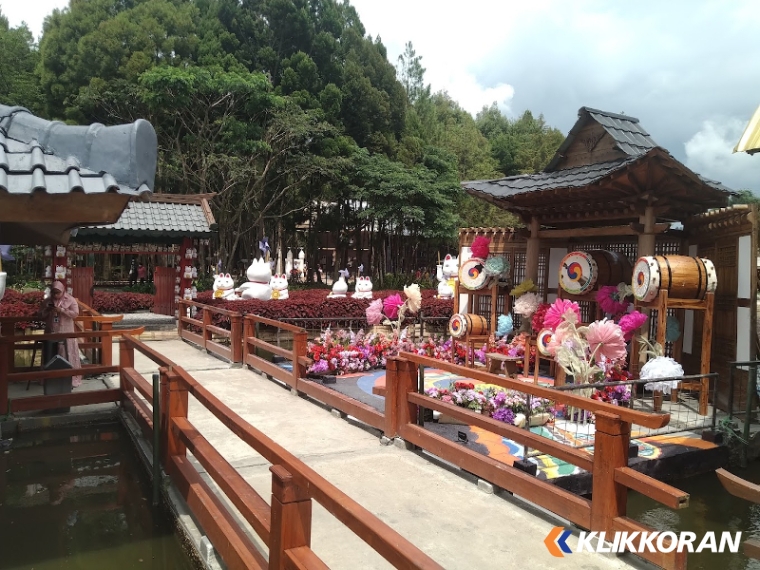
[363, 288]
[279, 286]
[224, 287]
[340, 287]
[259, 277]
[447, 274]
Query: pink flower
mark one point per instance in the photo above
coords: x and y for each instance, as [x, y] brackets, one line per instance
[605, 339]
[375, 312]
[391, 305]
[631, 322]
[554, 314]
[607, 297]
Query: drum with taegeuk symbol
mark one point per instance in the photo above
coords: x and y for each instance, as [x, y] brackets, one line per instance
[463, 324]
[472, 274]
[582, 271]
[542, 341]
[683, 277]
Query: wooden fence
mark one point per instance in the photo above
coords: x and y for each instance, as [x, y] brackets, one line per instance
[608, 464]
[10, 373]
[284, 524]
[207, 334]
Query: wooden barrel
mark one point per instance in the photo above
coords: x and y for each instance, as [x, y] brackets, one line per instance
[463, 324]
[583, 271]
[683, 277]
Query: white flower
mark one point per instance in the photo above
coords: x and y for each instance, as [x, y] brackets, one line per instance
[661, 367]
[527, 304]
[413, 297]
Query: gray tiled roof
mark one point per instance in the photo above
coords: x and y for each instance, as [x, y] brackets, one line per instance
[36, 154]
[576, 177]
[626, 131]
[141, 219]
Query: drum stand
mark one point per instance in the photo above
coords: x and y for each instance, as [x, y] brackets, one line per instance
[661, 304]
[470, 340]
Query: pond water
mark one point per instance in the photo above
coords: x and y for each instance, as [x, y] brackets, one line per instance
[79, 498]
[711, 508]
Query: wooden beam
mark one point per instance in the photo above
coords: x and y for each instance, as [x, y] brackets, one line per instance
[632, 229]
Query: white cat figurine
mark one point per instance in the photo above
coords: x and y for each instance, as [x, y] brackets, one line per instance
[259, 276]
[188, 294]
[279, 286]
[363, 288]
[224, 287]
[340, 287]
[447, 275]
[60, 272]
[48, 272]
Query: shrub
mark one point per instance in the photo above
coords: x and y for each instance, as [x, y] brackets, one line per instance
[121, 302]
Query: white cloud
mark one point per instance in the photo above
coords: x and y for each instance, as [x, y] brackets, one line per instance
[32, 12]
[710, 152]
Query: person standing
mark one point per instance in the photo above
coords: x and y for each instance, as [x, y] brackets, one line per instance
[59, 312]
[142, 273]
[132, 272]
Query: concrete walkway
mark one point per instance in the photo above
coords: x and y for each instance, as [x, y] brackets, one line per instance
[441, 511]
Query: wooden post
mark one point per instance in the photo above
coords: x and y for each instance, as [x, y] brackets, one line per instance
[6, 354]
[406, 413]
[662, 323]
[176, 407]
[299, 351]
[126, 360]
[291, 517]
[646, 246]
[207, 336]
[391, 397]
[704, 367]
[610, 452]
[181, 312]
[532, 251]
[106, 345]
[249, 331]
[236, 337]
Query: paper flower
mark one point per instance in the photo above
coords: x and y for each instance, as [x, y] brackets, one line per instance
[527, 304]
[497, 265]
[523, 288]
[673, 329]
[413, 297]
[661, 367]
[505, 325]
[558, 308]
[480, 247]
[537, 322]
[391, 305]
[605, 339]
[631, 322]
[375, 312]
[610, 301]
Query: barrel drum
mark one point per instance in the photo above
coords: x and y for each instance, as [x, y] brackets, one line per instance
[463, 324]
[583, 271]
[683, 277]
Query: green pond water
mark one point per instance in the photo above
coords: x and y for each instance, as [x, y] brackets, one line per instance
[80, 499]
[711, 508]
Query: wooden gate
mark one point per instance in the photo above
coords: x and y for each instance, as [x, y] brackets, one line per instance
[163, 280]
[82, 283]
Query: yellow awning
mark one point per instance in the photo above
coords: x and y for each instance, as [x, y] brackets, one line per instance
[750, 141]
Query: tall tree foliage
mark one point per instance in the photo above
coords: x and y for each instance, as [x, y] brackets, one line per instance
[18, 82]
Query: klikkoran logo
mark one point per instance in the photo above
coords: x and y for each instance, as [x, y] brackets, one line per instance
[640, 542]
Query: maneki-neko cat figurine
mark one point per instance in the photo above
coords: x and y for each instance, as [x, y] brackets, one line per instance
[447, 274]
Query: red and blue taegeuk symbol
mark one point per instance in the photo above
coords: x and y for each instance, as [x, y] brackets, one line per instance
[574, 271]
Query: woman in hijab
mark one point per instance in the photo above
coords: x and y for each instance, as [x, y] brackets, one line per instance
[59, 311]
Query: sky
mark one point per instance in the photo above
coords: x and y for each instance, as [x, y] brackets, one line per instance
[689, 70]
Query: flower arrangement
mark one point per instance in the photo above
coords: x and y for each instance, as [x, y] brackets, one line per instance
[527, 304]
[612, 299]
[394, 308]
[526, 286]
[537, 322]
[663, 370]
[580, 350]
[618, 395]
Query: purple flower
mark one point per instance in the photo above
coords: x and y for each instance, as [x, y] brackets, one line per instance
[504, 415]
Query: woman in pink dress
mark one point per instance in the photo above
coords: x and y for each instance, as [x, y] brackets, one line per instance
[59, 311]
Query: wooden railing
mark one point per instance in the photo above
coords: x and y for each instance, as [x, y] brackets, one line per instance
[10, 373]
[296, 379]
[284, 525]
[208, 331]
[612, 477]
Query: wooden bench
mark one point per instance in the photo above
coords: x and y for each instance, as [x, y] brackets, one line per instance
[494, 360]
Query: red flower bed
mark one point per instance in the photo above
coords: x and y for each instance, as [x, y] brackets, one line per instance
[15, 304]
[314, 304]
[121, 302]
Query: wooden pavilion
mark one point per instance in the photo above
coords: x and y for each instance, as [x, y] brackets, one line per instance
[167, 228]
[610, 186]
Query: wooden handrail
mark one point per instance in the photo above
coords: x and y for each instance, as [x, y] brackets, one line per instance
[144, 349]
[274, 323]
[211, 308]
[67, 335]
[633, 416]
[387, 542]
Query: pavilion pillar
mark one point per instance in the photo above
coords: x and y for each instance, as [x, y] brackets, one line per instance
[646, 239]
[532, 251]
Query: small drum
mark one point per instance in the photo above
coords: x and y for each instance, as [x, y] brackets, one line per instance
[461, 325]
[582, 271]
[542, 341]
[683, 277]
[472, 274]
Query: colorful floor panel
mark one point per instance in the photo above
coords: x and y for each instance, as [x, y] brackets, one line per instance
[650, 448]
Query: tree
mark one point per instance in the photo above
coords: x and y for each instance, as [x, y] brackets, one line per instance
[18, 83]
[412, 74]
[744, 197]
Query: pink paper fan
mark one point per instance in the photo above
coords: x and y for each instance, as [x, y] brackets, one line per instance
[480, 247]
[605, 339]
[630, 322]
